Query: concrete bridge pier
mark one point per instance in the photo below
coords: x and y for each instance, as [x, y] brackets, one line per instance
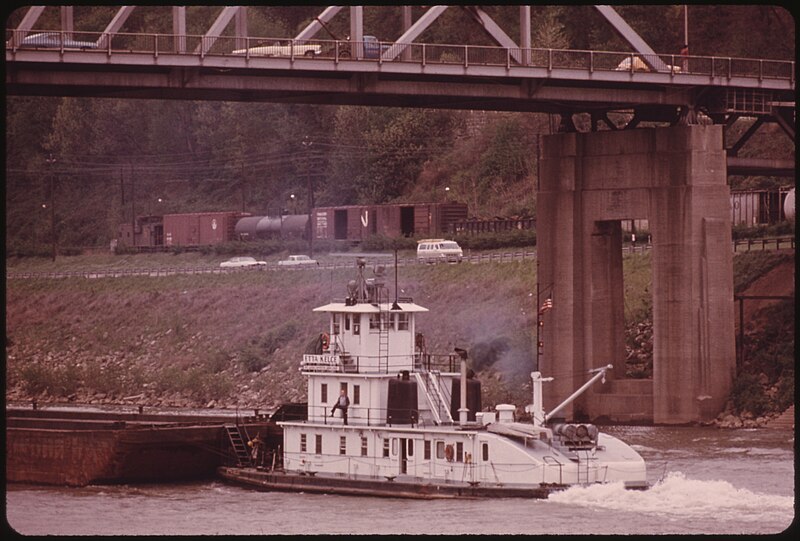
[676, 179]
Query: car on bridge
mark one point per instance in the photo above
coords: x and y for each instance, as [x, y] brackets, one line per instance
[639, 65]
[54, 40]
[286, 48]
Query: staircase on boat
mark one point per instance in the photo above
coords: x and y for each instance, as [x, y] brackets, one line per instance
[430, 384]
[383, 328]
[238, 445]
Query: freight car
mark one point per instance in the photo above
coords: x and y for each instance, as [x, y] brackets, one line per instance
[288, 226]
[194, 229]
[357, 222]
[758, 207]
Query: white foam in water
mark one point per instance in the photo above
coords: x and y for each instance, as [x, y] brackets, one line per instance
[687, 498]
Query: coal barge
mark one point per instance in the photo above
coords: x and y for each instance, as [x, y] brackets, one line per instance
[73, 447]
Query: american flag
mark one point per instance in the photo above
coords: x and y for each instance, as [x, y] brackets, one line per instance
[546, 305]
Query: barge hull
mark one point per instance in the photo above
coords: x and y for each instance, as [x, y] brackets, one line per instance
[58, 450]
[320, 484]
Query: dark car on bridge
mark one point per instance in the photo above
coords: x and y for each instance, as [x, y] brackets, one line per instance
[54, 40]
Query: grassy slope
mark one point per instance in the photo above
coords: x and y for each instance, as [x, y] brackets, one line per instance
[236, 339]
[204, 334]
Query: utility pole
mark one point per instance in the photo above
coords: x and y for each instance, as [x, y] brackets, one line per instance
[307, 145]
[50, 161]
[242, 183]
[133, 210]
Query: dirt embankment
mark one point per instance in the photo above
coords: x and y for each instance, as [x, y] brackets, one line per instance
[765, 349]
[778, 282]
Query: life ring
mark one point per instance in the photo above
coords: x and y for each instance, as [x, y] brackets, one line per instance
[448, 453]
[325, 339]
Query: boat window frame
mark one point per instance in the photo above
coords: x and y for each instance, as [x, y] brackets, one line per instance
[303, 443]
[385, 447]
[440, 450]
[356, 394]
[485, 451]
[323, 393]
[342, 445]
[403, 321]
[426, 452]
[317, 444]
[364, 446]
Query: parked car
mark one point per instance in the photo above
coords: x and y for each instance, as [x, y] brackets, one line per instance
[298, 260]
[54, 40]
[241, 262]
[436, 250]
[282, 49]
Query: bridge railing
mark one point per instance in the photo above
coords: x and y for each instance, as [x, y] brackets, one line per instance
[418, 53]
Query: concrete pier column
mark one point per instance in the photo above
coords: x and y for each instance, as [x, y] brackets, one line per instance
[676, 179]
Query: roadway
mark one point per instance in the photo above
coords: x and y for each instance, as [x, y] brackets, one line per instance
[738, 246]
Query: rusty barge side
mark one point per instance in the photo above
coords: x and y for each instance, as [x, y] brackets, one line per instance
[80, 448]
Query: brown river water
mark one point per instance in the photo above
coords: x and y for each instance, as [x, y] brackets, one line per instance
[704, 481]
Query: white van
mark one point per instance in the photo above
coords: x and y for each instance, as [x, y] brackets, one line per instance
[436, 250]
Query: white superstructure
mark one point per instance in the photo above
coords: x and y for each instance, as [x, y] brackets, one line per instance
[416, 418]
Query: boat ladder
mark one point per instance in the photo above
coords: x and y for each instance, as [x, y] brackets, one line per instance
[238, 445]
[383, 331]
[585, 464]
[429, 382]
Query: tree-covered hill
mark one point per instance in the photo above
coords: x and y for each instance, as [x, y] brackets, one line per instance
[101, 160]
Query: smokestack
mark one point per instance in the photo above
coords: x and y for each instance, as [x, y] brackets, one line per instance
[463, 411]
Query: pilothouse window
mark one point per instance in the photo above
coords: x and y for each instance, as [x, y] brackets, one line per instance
[402, 322]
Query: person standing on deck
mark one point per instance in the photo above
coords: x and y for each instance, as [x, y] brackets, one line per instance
[342, 403]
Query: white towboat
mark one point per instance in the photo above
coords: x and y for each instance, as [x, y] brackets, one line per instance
[415, 427]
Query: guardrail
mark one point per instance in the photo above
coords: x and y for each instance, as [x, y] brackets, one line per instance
[741, 245]
[416, 53]
[748, 245]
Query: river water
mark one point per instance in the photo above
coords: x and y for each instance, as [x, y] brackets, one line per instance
[705, 481]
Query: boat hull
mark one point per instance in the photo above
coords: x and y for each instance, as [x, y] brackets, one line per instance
[80, 451]
[394, 487]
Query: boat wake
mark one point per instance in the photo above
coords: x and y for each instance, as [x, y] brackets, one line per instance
[677, 496]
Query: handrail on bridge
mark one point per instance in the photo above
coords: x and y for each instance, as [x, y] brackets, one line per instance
[384, 52]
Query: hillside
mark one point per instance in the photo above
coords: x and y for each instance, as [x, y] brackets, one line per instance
[235, 340]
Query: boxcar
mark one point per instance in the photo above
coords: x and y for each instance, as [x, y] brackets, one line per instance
[200, 228]
[357, 222]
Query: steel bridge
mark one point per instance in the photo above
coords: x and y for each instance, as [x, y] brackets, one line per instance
[615, 90]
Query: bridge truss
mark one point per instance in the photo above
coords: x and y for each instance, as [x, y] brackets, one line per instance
[616, 90]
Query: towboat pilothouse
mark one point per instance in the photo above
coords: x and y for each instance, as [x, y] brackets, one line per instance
[387, 418]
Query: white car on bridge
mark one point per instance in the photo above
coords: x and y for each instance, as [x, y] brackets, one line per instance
[287, 48]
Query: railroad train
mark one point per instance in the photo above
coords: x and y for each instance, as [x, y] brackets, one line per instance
[355, 223]
[346, 223]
